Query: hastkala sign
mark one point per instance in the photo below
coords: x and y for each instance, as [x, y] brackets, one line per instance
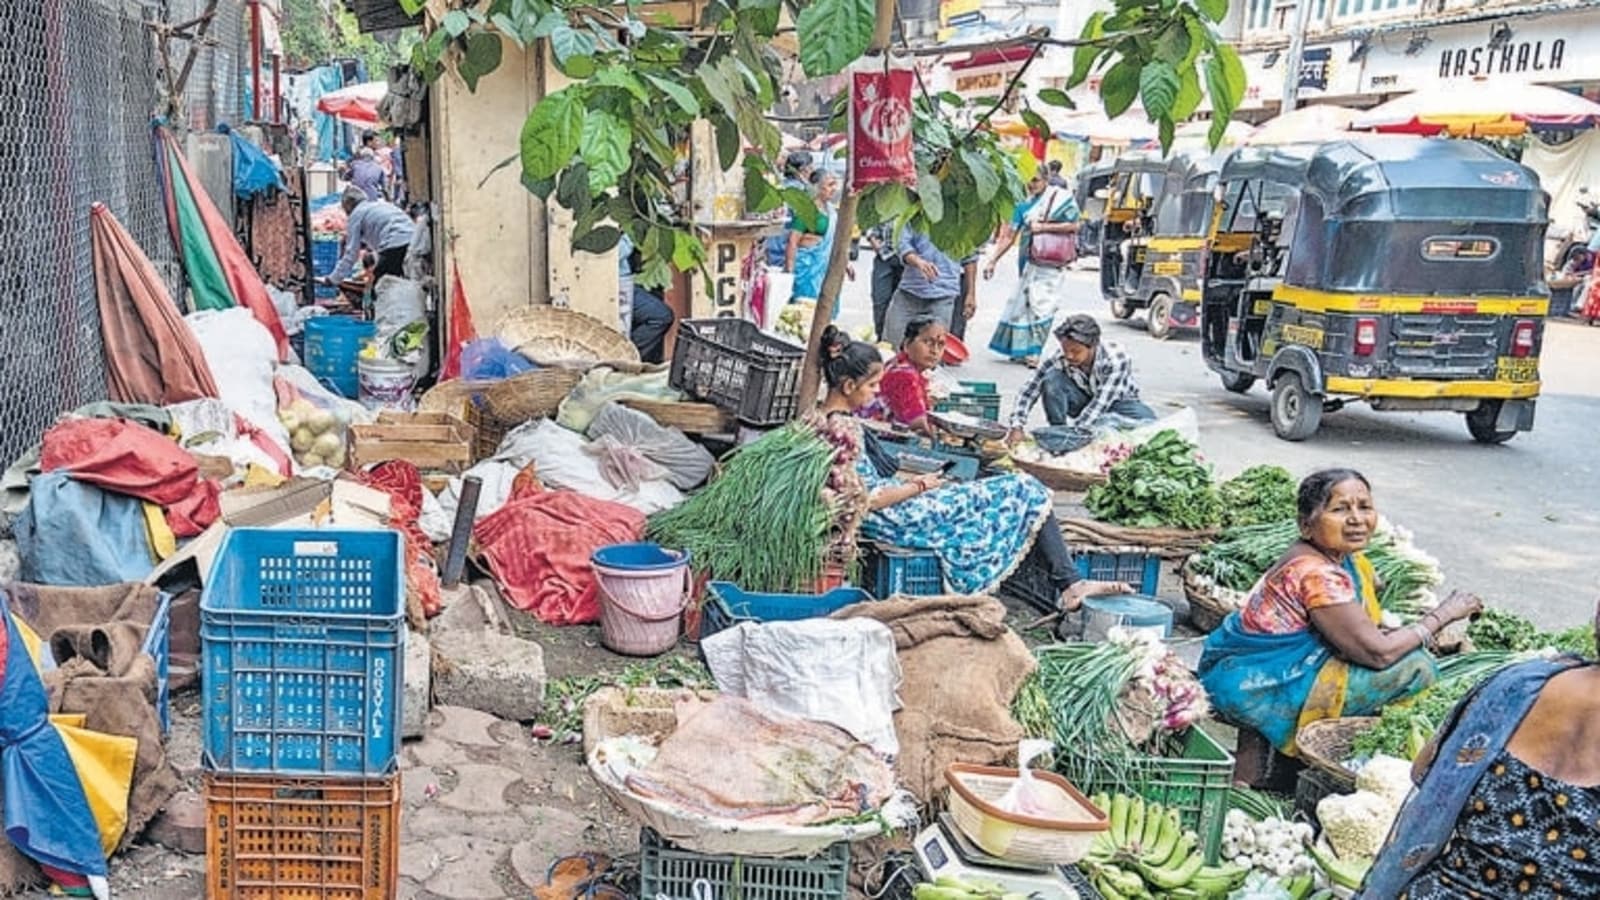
[1510, 58]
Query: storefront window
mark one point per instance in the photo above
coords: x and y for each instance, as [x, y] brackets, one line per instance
[1276, 16]
[1373, 9]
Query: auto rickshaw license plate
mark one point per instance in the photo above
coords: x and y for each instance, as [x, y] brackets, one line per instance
[1512, 368]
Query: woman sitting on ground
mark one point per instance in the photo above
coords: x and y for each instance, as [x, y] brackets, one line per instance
[1307, 644]
[982, 531]
[1508, 799]
[903, 396]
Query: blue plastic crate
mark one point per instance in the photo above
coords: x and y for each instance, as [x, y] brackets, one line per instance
[899, 570]
[324, 256]
[302, 645]
[728, 605]
[1142, 570]
[156, 645]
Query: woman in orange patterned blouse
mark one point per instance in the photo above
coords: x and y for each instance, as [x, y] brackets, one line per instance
[1307, 644]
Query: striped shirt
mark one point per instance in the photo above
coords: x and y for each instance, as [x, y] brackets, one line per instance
[1109, 380]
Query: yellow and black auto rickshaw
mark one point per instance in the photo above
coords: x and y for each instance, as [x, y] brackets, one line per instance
[1405, 272]
[1161, 273]
[1136, 180]
[1091, 189]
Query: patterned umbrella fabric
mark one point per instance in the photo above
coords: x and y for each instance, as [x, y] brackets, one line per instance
[356, 103]
[1487, 108]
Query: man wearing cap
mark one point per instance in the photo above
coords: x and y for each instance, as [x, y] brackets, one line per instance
[1089, 380]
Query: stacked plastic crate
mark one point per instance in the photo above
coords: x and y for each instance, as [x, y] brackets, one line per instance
[302, 640]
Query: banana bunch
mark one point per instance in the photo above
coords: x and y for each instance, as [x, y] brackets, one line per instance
[948, 887]
[1146, 853]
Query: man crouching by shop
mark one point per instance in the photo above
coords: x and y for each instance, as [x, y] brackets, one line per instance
[1087, 384]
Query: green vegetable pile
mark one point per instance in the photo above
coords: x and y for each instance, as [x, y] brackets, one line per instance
[763, 524]
[1497, 629]
[1260, 494]
[1160, 484]
[1404, 728]
[1241, 555]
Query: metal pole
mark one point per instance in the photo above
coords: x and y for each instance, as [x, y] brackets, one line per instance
[1297, 48]
[255, 60]
[466, 513]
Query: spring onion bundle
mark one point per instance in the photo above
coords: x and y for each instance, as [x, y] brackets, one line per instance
[763, 523]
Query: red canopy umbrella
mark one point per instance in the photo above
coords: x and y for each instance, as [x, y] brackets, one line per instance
[356, 103]
[1484, 108]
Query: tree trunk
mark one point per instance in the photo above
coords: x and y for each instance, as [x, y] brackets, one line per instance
[839, 258]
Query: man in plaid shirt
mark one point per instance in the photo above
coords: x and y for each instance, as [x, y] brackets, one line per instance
[1090, 379]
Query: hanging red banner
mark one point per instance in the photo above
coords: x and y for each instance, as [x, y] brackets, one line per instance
[880, 125]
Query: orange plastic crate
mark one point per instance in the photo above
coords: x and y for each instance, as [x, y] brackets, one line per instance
[271, 838]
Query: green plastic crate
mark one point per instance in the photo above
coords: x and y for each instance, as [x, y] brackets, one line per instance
[1195, 784]
[664, 870]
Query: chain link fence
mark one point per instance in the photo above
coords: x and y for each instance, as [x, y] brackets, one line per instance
[78, 87]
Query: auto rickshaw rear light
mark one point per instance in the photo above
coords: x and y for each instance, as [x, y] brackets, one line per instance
[1366, 336]
[1522, 338]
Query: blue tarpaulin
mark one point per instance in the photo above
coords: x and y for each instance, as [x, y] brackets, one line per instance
[253, 171]
[76, 535]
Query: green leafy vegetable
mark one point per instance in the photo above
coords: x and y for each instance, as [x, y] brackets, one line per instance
[1260, 494]
[1160, 484]
[1498, 629]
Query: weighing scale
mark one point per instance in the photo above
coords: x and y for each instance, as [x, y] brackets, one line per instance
[942, 849]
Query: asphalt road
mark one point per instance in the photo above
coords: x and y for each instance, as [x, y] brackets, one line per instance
[1518, 524]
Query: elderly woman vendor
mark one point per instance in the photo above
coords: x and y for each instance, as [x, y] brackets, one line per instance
[1307, 644]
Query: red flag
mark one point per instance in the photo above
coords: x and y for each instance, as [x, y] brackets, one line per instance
[458, 328]
[880, 125]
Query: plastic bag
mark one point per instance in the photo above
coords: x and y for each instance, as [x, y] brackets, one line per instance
[561, 462]
[688, 464]
[603, 384]
[399, 310]
[319, 430]
[241, 354]
[489, 359]
[1024, 798]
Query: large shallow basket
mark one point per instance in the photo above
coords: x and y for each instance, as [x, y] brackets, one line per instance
[1059, 479]
[1061, 838]
[551, 336]
[1209, 604]
[1325, 745]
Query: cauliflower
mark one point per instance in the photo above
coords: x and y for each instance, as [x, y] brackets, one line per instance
[1386, 776]
[1356, 824]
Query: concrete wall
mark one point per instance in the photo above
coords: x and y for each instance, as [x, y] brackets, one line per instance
[493, 228]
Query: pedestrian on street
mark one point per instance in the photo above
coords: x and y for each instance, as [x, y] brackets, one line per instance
[1057, 180]
[646, 318]
[886, 271]
[797, 169]
[930, 286]
[1024, 328]
[1090, 380]
[367, 174]
[808, 249]
[375, 225]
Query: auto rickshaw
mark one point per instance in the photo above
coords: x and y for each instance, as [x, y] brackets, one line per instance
[1136, 180]
[1091, 181]
[1405, 272]
[1164, 274]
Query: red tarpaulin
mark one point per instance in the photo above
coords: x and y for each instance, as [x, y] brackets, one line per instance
[357, 103]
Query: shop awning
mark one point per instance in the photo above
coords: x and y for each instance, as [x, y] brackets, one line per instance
[1484, 108]
[357, 103]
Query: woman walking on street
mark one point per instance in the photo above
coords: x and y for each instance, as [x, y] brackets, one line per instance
[1042, 230]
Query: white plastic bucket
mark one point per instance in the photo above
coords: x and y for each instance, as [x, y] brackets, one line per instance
[386, 384]
[642, 595]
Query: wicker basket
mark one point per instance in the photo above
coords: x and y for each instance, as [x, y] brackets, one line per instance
[551, 336]
[1058, 479]
[1208, 605]
[692, 418]
[1062, 839]
[1325, 744]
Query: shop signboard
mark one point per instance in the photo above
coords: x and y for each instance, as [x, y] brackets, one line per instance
[1324, 72]
[1543, 50]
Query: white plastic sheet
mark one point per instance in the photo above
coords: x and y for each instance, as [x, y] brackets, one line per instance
[688, 464]
[841, 672]
[241, 354]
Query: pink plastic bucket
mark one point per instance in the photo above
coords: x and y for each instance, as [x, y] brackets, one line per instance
[643, 590]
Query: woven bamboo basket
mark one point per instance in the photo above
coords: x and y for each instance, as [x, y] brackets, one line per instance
[692, 418]
[1325, 744]
[1208, 606]
[1058, 479]
[530, 395]
[552, 336]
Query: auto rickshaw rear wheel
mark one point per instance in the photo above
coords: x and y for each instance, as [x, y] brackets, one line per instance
[1158, 318]
[1481, 422]
[1296, 412]
[1120, 308]
[1238, 382]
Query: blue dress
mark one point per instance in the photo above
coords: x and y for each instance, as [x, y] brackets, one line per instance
[981, 530]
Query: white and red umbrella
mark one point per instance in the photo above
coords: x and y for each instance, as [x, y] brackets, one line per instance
[1487, 107]
[1306, 125]
[356, 103]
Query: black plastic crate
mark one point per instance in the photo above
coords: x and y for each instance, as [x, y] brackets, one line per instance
[732, 364]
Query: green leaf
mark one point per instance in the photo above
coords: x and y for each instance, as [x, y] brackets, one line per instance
[951, 98]
[550, 134]
[728, 141]
[931, 196]
[687, 252]
[759, 194]
[572, 188]
[1037, 123]
[455, 22]
[1158, 88]
[1172, 44]
[718, 83]
[1201, 37]
[605, 142]
[803, 207]
[1119, 87]
[507, 27]
[1084, 56]
[413, 7]
[1218, 130]
[599, 240]
[482, 57]
[983, 174]
[1056, 97]
[541, 187]
[679, 94]
[618, 77]
[1225, 81]
[834, 34]
[574, 51]
[548, 23]
[1215, 10]
[1189, 95]
[1167, 131]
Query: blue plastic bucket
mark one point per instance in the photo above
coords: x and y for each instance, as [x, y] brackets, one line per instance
[639, 557]
[333, 349]
[1101, 614]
